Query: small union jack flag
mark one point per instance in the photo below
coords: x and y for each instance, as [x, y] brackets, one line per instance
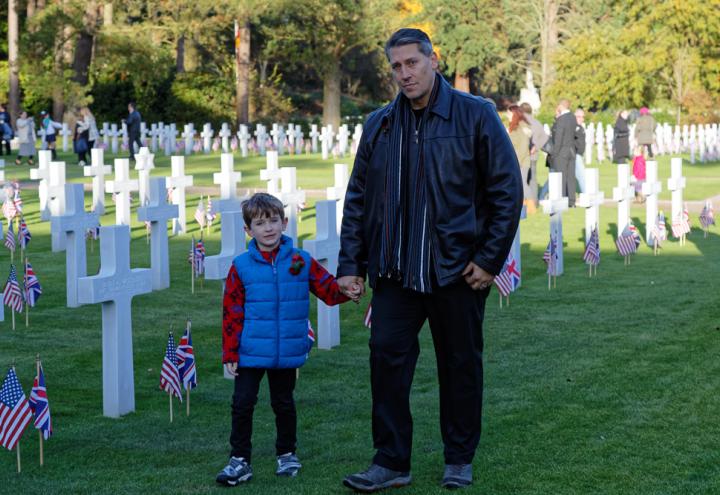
[10, 237]
[169, 374]
[11, 295]
[186, 361]
[509, 278]
[197, 256]
[32, 286]
[550, 255]
[592, 249]
[15, 413]
[16, 197]
[24, 235]
[40, 406]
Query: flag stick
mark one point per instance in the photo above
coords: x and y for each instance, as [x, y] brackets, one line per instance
[192, 266]
[500, 295]
[548, 281]
[40, 434]
[170, 397]
[13, 318]
[17, 449]
[187, 398]
[507, 300]
[590, 270]
[596, 270]
[554, 281]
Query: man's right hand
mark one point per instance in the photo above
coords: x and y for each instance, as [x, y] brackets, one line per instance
[231, 368]
[352, 286]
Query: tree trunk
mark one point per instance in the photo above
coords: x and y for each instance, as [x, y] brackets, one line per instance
[548, 44]
[242, 68]
[14, 89]
[331, 95]
[180, 55]
[86, 40]
[462, 82]
[30, 8]
[108, 13]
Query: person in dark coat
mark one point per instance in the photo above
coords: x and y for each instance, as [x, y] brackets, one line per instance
[133, 127]
[621, 138]
[563, 148]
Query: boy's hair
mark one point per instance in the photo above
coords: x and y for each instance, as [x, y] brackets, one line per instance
[262, 205]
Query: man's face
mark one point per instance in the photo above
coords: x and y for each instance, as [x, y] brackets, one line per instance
[267, 231]
[130, 109]
[580, 117]
[414, 72]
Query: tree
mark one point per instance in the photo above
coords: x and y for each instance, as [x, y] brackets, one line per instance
[14, 73]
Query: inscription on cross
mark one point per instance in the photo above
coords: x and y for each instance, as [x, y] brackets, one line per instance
[158, 212]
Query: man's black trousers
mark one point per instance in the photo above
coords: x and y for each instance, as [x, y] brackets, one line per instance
[455, 314]
[247, 384]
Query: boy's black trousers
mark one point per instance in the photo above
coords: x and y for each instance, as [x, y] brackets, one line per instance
[247, 384]
[455, 314]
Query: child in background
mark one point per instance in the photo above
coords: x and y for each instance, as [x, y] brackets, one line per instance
[638, 172]
[266, 331]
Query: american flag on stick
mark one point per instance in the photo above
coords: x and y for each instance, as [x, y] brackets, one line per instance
[169, 374]
[628, 241]
[8, 207]
[11, 295]
[367, 319]
[15, 413]
[550, 256]
[10, 237]
[591, 256]
[707, 215]
[200, 217]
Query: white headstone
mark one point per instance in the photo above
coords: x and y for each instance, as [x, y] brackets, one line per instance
[589, 139]
[56, 201]
[591, 199]
[227, 179]
[154, 133]
[676, 183]
[178, 182]
[171, 134]
[260, 137]
[97, 170]
[124, 135]
[114, 138]
[143, 132]
[225, 134]
[158, 212]
[623, 193]
[337, 192]
[144, 163]
[554, 206]
[271, 174]
[314, 135]
[65, 133]
[189, 136]
[232, 244]
[651, 188]
[106, 134]
[600, 141]
[73, 224]
[122, 187]
[207, 135]
[114, 287]
[342, 137]
[244, 136]
[292, 198]
[42, 173]
[325, 249]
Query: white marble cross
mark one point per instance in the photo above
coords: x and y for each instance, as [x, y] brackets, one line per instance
[154, 133]
[342, 138]
[207, 135]
[189, 136]
[122, 187]
[600, 142]
[114, 138]
[244, 136]
[42, 173]
[651, 188]
[144, 163]
[124, 134]
[271, 174]
[325, 249]
[171, 134]
[106, 134]
[97, 170]
[292, 198]
[143, 133]
[114, 287]
[623, 193]
[225, 134]
[299, 136]
[65, 133]
[314, 135]
[227, 179]
[326, 139]
[178, 182]
[291, 135]
[56, 201]
[158, 212]
[589, 139]
[676, 183]
[72, 225]
[337, 192]
[232, 244]
[554, 206]
[260, 137]
[591, 199]
[357, 135]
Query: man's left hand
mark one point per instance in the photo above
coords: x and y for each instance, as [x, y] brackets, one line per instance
[476, 277]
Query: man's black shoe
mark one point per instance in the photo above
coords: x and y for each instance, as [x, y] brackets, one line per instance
[377, 478]
[457, 476]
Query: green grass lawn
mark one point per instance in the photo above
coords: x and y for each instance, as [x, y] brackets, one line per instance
[606, 385]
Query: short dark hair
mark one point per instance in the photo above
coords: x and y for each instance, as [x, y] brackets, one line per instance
[409, 36]
[132, 104]
[262, 205]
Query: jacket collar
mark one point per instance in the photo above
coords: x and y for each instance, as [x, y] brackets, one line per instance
[286, 249]
[441, 107]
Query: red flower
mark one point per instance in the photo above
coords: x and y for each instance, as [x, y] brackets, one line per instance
[297, 263]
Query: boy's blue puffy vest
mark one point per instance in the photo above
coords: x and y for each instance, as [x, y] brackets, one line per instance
[277, 304]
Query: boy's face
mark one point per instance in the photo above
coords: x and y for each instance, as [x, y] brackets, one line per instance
[267, 231]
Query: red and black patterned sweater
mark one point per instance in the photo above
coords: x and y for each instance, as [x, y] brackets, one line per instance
[322, 284]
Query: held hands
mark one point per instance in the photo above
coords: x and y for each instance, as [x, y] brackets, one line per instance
[231, 368]
[352, 286]
[476, 277]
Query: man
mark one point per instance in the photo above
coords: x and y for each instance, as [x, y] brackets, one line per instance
[6, 131]
[133, 129]
[580, 148]
[645, 130]
[430, 213]
[563, 149]
[537, 140]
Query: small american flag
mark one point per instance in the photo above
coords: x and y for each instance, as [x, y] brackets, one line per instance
[40, 406]
[210, 215]
[200, 214]
[8, 208]
[680, 225]
[660, 230]
[311, 332]
[592, 249]
[707, 215]
[550, 255]
[509, 278]
[367, 319]
[15, 413]
[93, 233]
[169, 374]
[32, 286]
[24, 235]
[10, 237]
[626, 243]
[11, 295]
[186, 361]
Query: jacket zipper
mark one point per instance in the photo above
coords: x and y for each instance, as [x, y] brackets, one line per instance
[277, 313]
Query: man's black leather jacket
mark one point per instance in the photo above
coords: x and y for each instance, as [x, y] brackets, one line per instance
[474, 189]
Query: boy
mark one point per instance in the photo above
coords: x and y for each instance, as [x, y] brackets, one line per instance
[266, 330]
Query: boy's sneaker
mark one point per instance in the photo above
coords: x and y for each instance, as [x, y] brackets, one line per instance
[377, 478]
[237, 471]
[288, 465]
[457, 476]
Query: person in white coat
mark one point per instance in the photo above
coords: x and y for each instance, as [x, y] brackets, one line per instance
[25, 127]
